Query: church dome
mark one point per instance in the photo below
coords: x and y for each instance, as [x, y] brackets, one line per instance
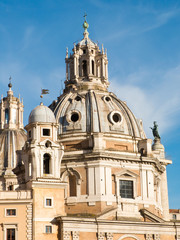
[86, 106]
[43, 114]
[96, 111]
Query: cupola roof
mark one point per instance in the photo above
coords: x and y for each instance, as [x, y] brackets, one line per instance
[42, 114]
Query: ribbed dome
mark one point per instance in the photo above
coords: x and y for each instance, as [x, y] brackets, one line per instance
[10, 142]
[96, 111]
[42, 114]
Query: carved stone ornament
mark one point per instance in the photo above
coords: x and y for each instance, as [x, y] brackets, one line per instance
[156, 237]
[149, 236]
[109, 236]
[66, 235]
[75, 235]
[101, 235]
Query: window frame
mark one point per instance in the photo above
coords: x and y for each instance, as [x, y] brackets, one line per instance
[47, 128]
[52, 202]
[7, 226]
[6, 209]
[51, 229]
[128, 176]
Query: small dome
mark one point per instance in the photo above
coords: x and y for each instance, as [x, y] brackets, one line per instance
[42, 114]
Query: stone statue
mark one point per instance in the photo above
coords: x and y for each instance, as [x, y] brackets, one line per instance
[155, 130]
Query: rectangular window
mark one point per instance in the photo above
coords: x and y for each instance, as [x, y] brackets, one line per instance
[29, 133]
[48, 202]
[126, 189]
[6, 115]
[10, 234]
[46, 132]
[10, 212]
[174, 217]
[48, 229]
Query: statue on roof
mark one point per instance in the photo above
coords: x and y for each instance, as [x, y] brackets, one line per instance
[155, 131]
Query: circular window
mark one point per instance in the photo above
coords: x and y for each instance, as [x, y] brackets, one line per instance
[74, 117]
[115, 117]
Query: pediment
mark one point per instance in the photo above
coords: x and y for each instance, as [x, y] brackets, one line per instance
[150, 216]
[126, 173]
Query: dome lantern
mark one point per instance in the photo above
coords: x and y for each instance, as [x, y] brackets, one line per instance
[87, 67]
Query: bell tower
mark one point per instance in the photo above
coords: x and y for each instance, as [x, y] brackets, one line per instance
[87, 67]
[12, 137]
[11, 111]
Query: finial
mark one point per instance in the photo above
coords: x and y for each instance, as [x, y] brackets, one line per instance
[10, 84]
[67, 52]
[102, 49]
[2, 97]
[85, 26]
[74, 48]
[106, 51]
[85, 15]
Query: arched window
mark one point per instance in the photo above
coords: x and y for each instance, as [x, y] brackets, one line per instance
[46, 163]
[6, 115]
[84, 67]
[72, 186]
[92, 67]
[73, 180]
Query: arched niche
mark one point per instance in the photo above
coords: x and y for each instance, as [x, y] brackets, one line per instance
[128, 237]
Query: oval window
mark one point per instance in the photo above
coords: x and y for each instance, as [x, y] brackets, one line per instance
[107, 99]
[116, 117]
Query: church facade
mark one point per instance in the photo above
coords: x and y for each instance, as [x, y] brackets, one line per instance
[83, 169]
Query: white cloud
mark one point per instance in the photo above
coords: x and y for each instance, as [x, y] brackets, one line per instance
[152, 20]
[158, 102]
[28, 37]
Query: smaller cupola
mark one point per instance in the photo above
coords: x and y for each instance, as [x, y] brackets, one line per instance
[43, 151]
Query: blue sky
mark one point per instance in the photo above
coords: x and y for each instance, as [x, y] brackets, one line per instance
[142, 40]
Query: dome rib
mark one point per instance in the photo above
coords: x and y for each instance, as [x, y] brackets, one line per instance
[96, 110]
